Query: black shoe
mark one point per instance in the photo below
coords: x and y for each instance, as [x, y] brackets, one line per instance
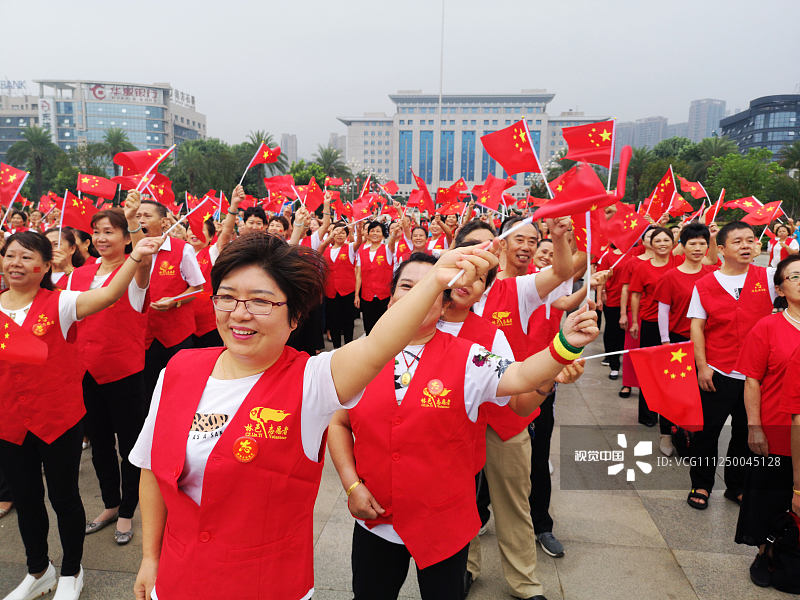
[649, 422]
[467, 583]
[536, 597]
[759, 571]
[625, 392]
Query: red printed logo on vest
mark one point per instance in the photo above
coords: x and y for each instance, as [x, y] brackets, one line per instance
[245, 449]
[501, 318]
[758, 287]
[42, 325]
[165, 269]
[435, 395]
[263, 428]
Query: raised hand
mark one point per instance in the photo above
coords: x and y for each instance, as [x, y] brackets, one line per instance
[580, 327]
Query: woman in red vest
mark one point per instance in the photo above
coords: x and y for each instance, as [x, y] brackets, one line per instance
[232, 447]
[340, 287]
[40, 425]
[205, 333]
[440, 235]
[374, 274]
[66, 257]
[782, 245]
[111, 346]
[406, 455]
[764, 359]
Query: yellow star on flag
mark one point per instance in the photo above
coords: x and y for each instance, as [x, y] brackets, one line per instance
[85, 180]
[678, 355]
[605, 136]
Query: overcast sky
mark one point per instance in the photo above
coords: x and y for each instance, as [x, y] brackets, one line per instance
[294, 66]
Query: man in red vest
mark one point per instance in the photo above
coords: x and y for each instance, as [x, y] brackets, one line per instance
[724, 307]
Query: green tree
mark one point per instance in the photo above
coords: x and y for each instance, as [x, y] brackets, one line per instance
[36, 152]
[741, 175]
[640, 158]
[671, 147]
[218, 168]
[115, 140]
[303, 172]
[331, 161]
[701, 155]
[790, 156]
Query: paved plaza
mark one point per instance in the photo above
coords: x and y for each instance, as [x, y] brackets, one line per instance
[620, 544]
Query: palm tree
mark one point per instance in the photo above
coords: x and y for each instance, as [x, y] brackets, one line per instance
[191, 161]
[790, 156]
[116, 140]
[706, 151]
[639, 160]
[35, 151]
[254, 138]
[330, 159]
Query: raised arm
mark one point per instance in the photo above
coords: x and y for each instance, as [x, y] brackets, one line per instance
[132, 202]
[550, 279]
[712, 256]
[301, 220]
[228, 225]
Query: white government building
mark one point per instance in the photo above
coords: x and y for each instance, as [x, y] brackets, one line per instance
[391, 146]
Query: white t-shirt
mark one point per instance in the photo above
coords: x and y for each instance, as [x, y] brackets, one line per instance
[372, 253]
[481, 378]
[222, 398]
[352, 254]
[732, 284]
[775, 251]
[67, 311]
[190, 269]
[136, 295]
[213, 254]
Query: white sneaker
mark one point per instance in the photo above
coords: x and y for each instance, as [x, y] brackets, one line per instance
[31, 587]
[665, 445]
[69, 588]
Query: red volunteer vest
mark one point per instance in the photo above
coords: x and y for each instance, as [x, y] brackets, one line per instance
[204, 318]
[783, 251]
[251, 538]
[417, 459]
[45, 400]
[376, 276]
[729, 321]
[173, 326]
[502, 310]
[341, 273]
[541, 329]
[111, 342]
[440, 242]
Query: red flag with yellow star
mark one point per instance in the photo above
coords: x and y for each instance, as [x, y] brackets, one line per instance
[490, 194]
[680, 206]
[592, 143]
[78, 213]
[512, 148]
[693, 187]
[161, 190]
[19, 345]
[47, 202]
[279, 183]
[746, 204]
[140, 161]
[659, 201]
[668, 379]
[764, 214]
[314, 196]
[198, 217]
[625, 227]
[11, 181]
[265, 155]
[96, 186]
[333, 181]
[390, 187]
[598, 223]
[581, 190]
[422, 199]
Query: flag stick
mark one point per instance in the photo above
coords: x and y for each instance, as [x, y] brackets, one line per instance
[629, 249]
[203, 201]
[154, 165]
[716, 208]
[605, 354]
[611, 158]
[296, 193]
[588, 275]
[250, 164]
[502, 236]
[61, 219]
[536, 156]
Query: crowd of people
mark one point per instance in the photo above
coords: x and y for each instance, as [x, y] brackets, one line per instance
[193, 366]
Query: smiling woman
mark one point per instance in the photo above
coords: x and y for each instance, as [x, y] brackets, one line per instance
[231, 449]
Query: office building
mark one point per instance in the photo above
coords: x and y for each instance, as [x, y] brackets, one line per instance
[338, 142]
[770, 122]
[676, 130]
[16, 113]
[704, 118]
[289, 147]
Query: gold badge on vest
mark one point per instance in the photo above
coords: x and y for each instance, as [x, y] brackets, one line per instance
[263, 428]
[435, 395]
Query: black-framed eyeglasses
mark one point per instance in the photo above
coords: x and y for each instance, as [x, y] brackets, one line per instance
[256, 306]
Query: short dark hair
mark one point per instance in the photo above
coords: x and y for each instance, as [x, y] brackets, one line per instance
[115, 216]
[726, 230]
[35, 242]
[693, 231]
[418, 257]
[211, 230]
[160, 208]
[68, 235]
[472, 226]
[785, 226]
[377, 224]
[22, 214]
[279, 218]
[413, 229]
[299, 271]
[778, 278]
[509, 222]
[257, 211]
[657, 230]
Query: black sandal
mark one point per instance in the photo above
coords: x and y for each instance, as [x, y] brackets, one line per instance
[694, 500]
[623, 393]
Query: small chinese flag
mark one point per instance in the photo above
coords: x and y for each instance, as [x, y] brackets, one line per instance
[361, 208]
[659, 200]
[747, 204]
[47, 202]
[680, 206]
[581, 190]
[694, 188]
[279, 183]
[668, 379]
[265, 155]
[713, 210]
[490, 194]
[390, 187]
[78, 213]
[422, 199]
[764, 214]
[97, 186]
[333, 181]
[18, 345]
[133, 181]
[161, 189]
[512, 148]
[248, 202]
[625, 227]
[191, 201]
[599, 226]
[198, 217]
[140, 161]
[451, 207]
[592, 143]
[391, 210]
[221, 203]
[11, 180]
[314, 195]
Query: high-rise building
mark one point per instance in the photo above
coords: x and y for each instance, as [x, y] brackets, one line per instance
[289, 147]
[338, 142]
[441, 148]
[649, 131]
[16, 113]
[625, 135]
[704, 118]
[677, 130]
[771, 122]
[153, 116]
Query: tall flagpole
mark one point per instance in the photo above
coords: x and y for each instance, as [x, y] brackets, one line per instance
[611, 158]
[536, 156]
[61, 219]
[437, 143]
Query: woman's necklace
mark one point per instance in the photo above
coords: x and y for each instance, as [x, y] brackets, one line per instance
[405, 378]
[790, 317]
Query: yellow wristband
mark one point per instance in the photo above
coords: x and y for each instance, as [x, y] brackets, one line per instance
[796, 491]
[352, 487]
[563, 351]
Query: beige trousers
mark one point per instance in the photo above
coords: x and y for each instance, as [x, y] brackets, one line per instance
[508, 473]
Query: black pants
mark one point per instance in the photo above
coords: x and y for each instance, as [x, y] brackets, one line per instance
[482, 497]
[156, 358]
[5, 491]
[211, 339]
[381, 567]
[613, 336]
[649, 336]
[766, 496]
[22, 466]
[115, 413]
[340, 314]
[541, 431]
[371, 311]
[727, 400]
